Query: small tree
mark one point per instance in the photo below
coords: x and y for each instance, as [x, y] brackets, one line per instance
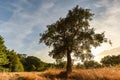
[14, 62]
[110, 60]
[79, 65]
[91, 64]
[72, 34]
[60, 63]
[33, 63]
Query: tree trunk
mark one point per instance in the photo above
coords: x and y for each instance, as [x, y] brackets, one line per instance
[69, 63]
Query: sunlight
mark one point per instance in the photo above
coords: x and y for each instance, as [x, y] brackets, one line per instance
[84, 51]
[100, 49]
[97, 51]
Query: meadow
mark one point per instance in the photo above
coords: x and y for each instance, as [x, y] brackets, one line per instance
[58, 74]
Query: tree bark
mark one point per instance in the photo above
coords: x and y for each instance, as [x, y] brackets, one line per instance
[69, 63]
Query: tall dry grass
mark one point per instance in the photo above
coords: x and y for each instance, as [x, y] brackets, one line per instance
[21, 76]
[55, 74]
[96, 74]
[85, 74]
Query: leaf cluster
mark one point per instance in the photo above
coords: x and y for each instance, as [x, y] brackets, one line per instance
[72, 33]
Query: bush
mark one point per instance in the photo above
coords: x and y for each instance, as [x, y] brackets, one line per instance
[80, 66]
[91, 64]
[2, 69]
[110, 60]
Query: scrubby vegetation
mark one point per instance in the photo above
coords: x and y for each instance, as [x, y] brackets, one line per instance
[76, 74]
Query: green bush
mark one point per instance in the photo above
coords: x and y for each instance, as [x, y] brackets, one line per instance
[91, 64]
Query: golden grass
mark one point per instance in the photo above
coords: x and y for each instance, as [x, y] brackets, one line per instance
[55, 74]
[84, 74]
[96, 74]
[21, 76]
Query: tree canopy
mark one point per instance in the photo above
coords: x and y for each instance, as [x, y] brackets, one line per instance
[14, 62]
[72, 34]
[3, 57]
[110, 60]
[8, 59]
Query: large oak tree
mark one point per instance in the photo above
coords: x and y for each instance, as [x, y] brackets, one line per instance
[72, 34]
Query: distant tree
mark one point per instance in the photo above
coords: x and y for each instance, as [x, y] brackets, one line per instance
[14, 62]
[3, 59]
[3, 56]
[22, 58]
[110, 60]
[49, 66]
[72, 34]
[79, 65]
[9, 59]
[34, 64]
[91, 64]
[2, 45]
[60, 63]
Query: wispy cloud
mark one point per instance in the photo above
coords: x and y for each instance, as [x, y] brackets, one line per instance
[22, 23]
[43, 55]
[108, 21]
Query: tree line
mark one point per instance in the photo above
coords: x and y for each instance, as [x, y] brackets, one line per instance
[106, 61]
[14, 62]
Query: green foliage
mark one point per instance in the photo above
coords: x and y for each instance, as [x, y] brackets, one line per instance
[91, 64]
[3, 59]
[60, 64]
[22, 58]
[11, 61]
[111, 60]
[2, 46]
[72, 34]
[79, 66]
[14, 63]
[32, 63]
[2, 69]
[18, 67]
[3, 56]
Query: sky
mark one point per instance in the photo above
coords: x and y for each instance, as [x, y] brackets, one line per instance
[21, 22]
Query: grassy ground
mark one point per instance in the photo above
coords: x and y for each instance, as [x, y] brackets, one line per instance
[55, 74]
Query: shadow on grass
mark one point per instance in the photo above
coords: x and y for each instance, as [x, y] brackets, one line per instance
[21, 78]
[62, 76]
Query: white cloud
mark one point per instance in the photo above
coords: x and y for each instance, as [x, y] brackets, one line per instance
[21, 24]
[109, 21]
[43, 55]
[103, 3]
[47, 5]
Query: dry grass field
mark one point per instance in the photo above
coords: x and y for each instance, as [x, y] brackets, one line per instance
[53, 74]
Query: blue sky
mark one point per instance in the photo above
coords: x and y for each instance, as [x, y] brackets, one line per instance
[21, 21]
